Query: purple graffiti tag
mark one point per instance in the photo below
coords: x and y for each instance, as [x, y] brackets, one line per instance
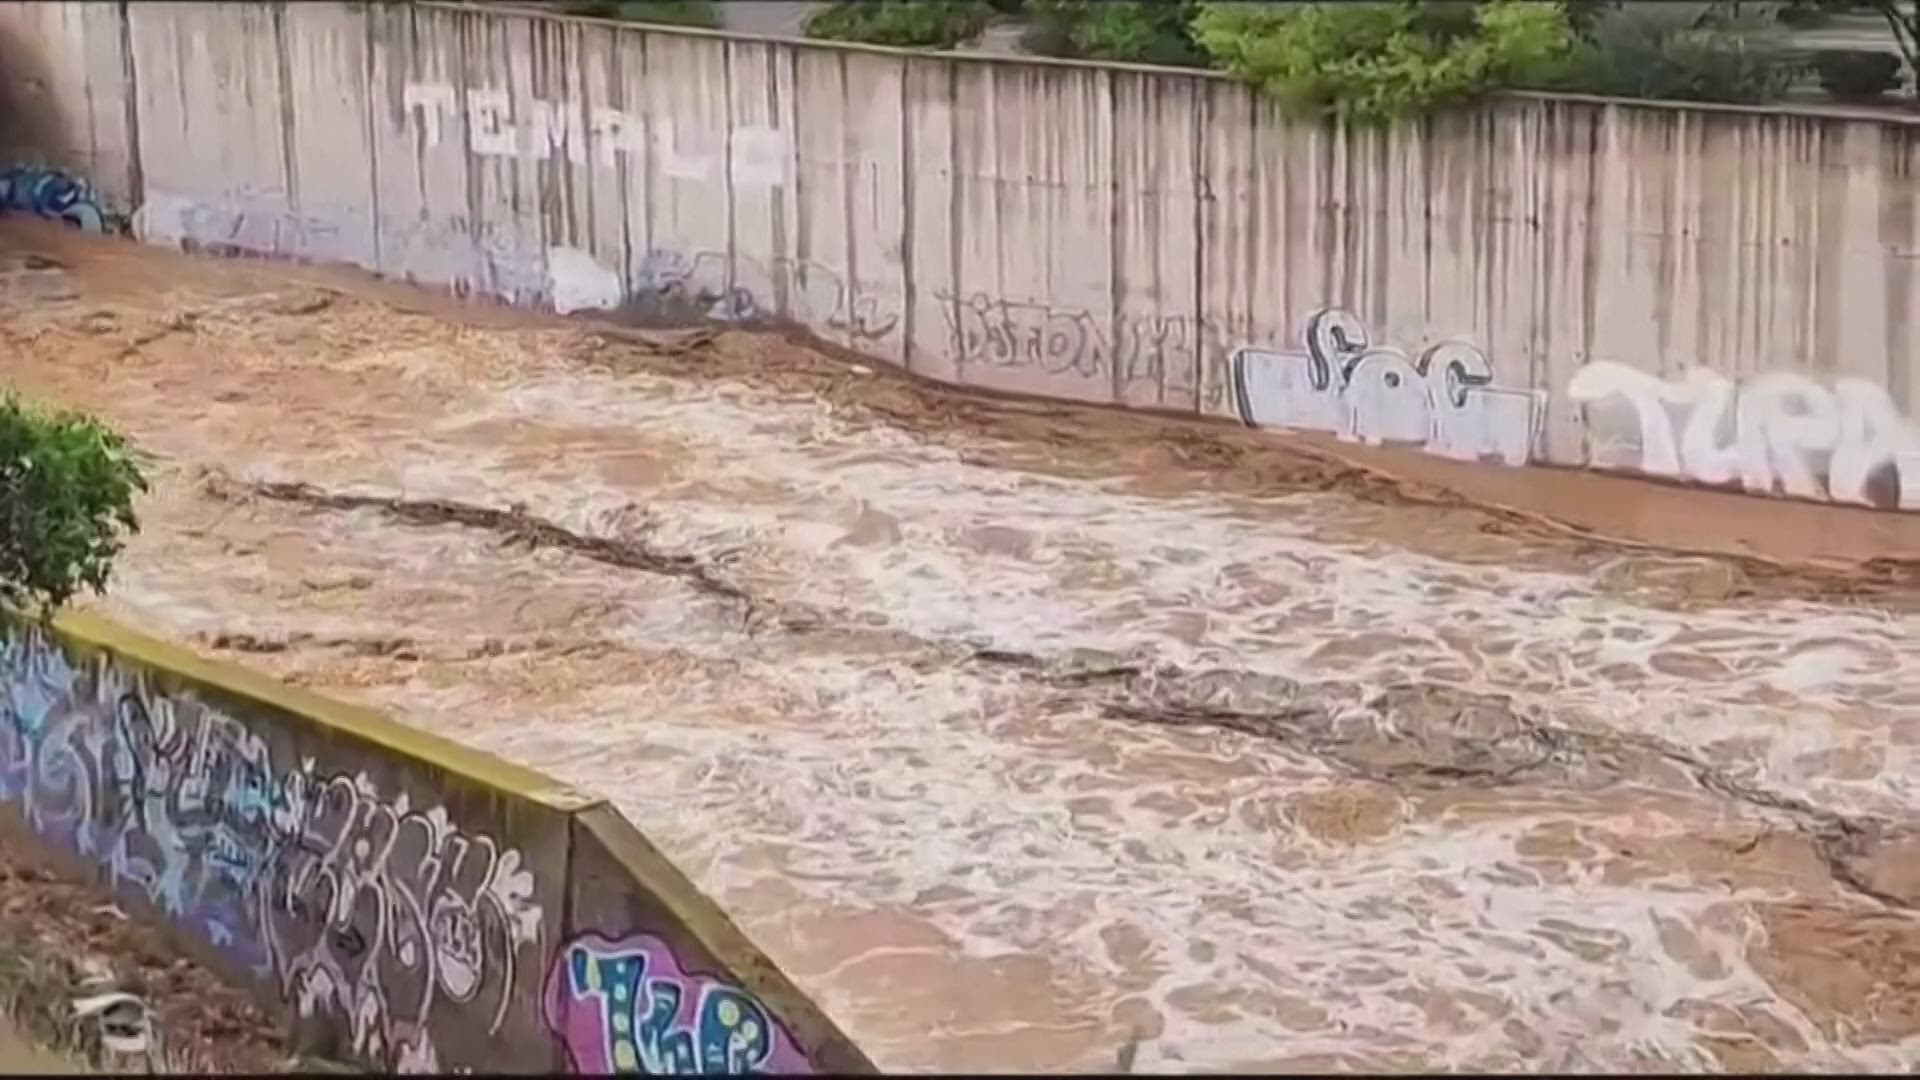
[627, 1007]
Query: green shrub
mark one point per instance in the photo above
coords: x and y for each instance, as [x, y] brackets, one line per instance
[66, 497]
[1857, 74]
[1128, 31]
[1583, 15]
[701, 13]
[1666, 54]
[1377, 61]
[1803, 15]
[920, 24]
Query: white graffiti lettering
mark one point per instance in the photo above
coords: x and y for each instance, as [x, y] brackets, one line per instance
[760, 156]
[1777, 432]
[1445, 401]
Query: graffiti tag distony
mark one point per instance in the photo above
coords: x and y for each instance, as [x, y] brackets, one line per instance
[53, 194]
[1164, 351]
[626, 1006]
[496, 126]
[1445, 401]
[355, 904]
[1774, 432]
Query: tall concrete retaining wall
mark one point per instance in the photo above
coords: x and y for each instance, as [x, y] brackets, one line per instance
[1715, 294]
[412, 904]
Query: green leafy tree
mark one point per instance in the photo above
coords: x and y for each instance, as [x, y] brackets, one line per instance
[1374, 62]
[66, 503]
[916, 24]
[1901, 16]
[1674, 54]
[1129, 31]
[701, 13]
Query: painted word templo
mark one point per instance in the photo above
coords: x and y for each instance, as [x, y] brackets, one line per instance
[498, 126]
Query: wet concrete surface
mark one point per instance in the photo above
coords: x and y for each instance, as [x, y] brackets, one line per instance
[1027, 736]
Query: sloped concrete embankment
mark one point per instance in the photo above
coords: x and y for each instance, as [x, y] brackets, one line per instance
[398, 901]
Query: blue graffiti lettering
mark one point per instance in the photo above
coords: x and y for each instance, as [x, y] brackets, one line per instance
[53, 194]
[646, 1032]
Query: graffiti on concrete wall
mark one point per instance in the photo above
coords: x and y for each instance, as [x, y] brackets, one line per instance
[356, 904]
[1445, 401]
[743, 289]
[52, 194]
[756, 156]
[1777, 432]
[245, 218]
[626, 1006]
[1165, 351]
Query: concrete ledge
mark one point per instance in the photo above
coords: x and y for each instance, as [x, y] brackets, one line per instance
[400, 901]
[377, 730]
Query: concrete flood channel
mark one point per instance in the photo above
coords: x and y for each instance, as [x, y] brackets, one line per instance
[1023, 737]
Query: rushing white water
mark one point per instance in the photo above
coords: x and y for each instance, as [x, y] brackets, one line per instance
[983, 862]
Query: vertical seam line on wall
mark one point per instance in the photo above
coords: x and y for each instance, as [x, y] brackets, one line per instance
[907, 288]
[1202, 192]
[799, 246]
[1258, 208]
[568, 929]
[649, 140]
[777, 200]
[1546, 253]
[726, 168]
[136, 174]
[373, 136]
[289, 159]
[1115, 262]
[1589, 281]
[1429, 135]
[617, 92]
[584, 174]
[955, 194]
[483, 276]
[852, 173]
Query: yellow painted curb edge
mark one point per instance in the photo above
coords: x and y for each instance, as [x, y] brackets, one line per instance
[367, 725]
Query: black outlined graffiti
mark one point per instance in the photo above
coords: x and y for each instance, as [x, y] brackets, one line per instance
[1445, 401]
[1169, 352]
[356, 905]
[744, 290]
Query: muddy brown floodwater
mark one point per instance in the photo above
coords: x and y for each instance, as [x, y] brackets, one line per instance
[1020, 735]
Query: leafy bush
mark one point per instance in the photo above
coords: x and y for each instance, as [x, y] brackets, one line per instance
[1857, 74]
[921, 24]
[1803, 14]
[701, 13]
[1669, 54]
[1378, 61]
[1583, 15]
[1129, 31]
[66, 496]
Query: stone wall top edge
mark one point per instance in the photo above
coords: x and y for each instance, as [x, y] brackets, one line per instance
[363, 724]
[1797, 110]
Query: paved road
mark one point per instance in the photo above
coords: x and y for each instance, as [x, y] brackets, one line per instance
[1020, 734]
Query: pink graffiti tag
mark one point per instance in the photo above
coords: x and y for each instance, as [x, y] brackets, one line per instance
[627, 1007]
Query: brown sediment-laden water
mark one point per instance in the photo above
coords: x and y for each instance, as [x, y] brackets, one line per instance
[1035, 737]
